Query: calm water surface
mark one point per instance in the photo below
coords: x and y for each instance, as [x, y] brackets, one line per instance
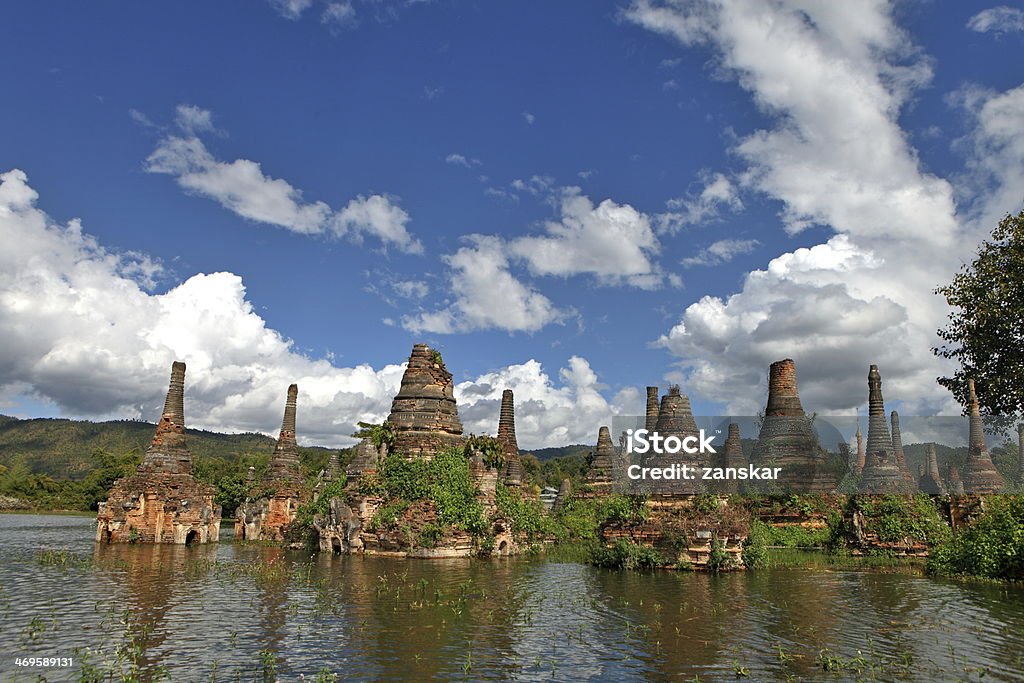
[232, 612]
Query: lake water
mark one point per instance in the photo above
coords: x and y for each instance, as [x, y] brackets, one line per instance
[231, 612]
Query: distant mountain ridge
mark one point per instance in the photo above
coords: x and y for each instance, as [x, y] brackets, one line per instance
[63, 448]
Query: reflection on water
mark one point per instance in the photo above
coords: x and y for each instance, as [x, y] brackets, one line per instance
[234, 612]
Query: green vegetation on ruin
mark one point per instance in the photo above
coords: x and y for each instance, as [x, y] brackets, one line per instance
[991, 546]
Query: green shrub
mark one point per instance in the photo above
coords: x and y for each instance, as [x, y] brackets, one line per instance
[894, 518]
[992, 546]
[387, 516]
[450, 485]
[622, 508]
[796, 536]
[755, 547]
[626, 554]
[490, 449]
[525, 516]
[718, 559]
[705, 503]
[378, 434]
[404, 478]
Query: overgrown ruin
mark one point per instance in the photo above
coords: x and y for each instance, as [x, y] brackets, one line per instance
[162, 502]
[423, 424]
[267, 515]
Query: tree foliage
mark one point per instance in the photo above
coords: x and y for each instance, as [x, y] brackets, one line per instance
[985, 333]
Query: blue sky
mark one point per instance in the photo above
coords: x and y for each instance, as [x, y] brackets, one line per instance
[573, 199]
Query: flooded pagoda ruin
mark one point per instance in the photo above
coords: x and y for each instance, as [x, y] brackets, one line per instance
[423, 423]
[162, 502]
[267, 515]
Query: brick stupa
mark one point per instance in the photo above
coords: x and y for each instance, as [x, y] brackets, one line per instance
[424, 414]
[732, 456]
[512, 472]
[881, 470]
[980, 474]
[931, 482]
[897, 448]
[601, 472]
[281, 492]
[786, 437]
[162, 502]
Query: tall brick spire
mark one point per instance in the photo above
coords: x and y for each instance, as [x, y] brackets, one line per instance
[162, 502]
[602, 464]
[167, 452]
[861, 454]
[882, 472]
[652, 409]
[507, 420]
[284, 463]
[879, 439]
[675, 415]
[931, 482]
[980, 474]
[172, 420]
[897, 447]
[512, 473]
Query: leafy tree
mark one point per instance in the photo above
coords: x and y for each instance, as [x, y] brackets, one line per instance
[985, 333]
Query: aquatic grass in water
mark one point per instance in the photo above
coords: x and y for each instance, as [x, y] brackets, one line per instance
[282, 614]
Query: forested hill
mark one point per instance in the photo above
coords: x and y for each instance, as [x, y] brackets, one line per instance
[63, 449]
[543, 454]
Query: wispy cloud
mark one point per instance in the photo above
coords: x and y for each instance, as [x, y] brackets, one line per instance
[1001, 19]
[242, 187]
[721, 251]
[291, 9]
[718, 193]
[485, 295]
[460, 160]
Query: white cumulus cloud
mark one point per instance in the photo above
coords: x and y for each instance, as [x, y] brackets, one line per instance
[81, 330]
[546, 413]
[833, 79]
[486, 295]
[613, 242]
